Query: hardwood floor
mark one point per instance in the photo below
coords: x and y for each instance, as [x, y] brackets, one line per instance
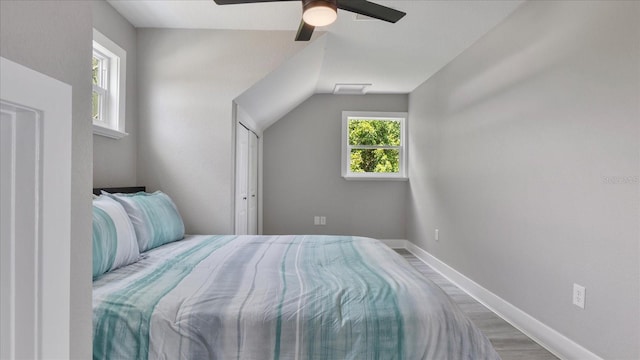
[509, 342]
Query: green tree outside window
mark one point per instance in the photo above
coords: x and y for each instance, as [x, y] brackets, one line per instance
[374, 146]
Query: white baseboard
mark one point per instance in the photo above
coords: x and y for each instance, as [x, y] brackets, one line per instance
[552, 340]
[395, 243]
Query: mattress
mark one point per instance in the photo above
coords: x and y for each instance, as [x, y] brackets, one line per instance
[277, 297]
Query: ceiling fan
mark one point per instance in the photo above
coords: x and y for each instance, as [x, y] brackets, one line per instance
[324, 12]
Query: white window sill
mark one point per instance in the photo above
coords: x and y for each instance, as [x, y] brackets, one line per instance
[107, 132]
[376, 178]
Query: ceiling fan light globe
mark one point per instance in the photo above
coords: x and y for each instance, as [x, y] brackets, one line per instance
[319, 13]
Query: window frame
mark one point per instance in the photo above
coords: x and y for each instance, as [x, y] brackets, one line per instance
[402, 118]
[111, 122]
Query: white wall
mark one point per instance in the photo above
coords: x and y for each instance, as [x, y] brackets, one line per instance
[525, 153]
[114, 161]
[302, 176]
[54, 38]
[187, 82]
[293, 82]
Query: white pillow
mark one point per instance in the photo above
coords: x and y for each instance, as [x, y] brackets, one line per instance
[114, 238]
[154, 216]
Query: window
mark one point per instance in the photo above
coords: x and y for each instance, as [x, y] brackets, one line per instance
[109, 81]
[100, 74]
[374, 145]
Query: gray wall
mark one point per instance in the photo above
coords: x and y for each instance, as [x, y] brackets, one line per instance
[114, 161]
[54, 38]
[525, 154]
[302, 175]
[187, 80]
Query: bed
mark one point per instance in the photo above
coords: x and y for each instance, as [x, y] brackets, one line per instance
[277, 297]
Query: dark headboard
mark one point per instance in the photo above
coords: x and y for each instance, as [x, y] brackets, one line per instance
[125, 190]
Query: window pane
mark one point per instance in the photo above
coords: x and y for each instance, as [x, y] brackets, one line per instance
[95, 106]
[374, 132]
[95, 70]
[375, 160]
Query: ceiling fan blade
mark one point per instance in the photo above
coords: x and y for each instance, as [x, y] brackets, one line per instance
[304, 31]
[232, 2]
[370, 9]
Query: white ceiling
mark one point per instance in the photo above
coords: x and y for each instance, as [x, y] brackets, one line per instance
[394, 58]
[205, 14]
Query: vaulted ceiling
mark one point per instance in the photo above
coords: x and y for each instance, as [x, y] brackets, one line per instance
[393, 58]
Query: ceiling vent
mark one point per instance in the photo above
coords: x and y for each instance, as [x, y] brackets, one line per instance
[350, 89]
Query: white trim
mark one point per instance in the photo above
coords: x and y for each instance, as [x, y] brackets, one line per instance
[376, 178]
[552, 340]
[108, 132]
[395, 243]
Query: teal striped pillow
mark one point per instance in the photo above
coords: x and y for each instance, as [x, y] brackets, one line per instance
[114, 239]
[155, 218]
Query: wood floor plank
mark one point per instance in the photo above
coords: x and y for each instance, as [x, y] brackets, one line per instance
[509, 342]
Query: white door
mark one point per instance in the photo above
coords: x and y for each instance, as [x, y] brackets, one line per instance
[35, 221]
[252, 209]
[19, 186]
[242, 176]
[246, 181]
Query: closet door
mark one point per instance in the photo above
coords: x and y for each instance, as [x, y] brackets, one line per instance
[242, 177]
[246, 181]
[252, 210]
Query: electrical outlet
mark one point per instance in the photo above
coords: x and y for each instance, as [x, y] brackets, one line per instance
[579, 293]
[316, 220]
[437, 235]
[323, 220]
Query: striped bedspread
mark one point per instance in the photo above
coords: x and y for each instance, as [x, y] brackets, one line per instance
[277, 297]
